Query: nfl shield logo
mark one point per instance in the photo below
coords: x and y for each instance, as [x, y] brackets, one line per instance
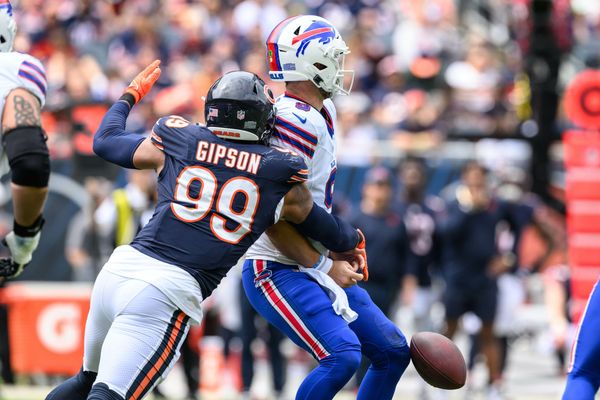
[241, 114]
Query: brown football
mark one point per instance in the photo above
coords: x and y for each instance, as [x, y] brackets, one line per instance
[438, 360]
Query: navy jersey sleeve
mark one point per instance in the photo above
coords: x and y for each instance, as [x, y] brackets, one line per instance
[172, 135]
[287, 166]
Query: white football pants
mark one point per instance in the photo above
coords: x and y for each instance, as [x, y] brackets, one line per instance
[133, 334]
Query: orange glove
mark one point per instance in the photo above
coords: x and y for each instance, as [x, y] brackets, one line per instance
[143, 82]
[362, 243]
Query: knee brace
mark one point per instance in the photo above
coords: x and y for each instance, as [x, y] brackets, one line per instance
[100, 391]
[28, 157]
[75, 388]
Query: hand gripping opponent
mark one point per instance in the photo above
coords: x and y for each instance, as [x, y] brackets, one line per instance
[357, 256]
[21, 242]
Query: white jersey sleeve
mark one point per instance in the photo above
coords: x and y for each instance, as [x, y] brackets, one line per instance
[18, 70]
[303, 129]
[309, 133]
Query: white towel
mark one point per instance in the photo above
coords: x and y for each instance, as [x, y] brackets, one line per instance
[334, 291]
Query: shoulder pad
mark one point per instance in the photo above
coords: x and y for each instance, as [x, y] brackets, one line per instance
[172, 135]
[288, 166]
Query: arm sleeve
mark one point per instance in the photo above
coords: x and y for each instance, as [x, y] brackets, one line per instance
[334, 233]
[112, 142]
[32, 76]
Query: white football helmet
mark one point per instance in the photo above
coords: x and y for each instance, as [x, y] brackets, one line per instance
[308, 47]
[8, 27]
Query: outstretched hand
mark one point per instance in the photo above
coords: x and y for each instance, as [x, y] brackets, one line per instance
[143, 82]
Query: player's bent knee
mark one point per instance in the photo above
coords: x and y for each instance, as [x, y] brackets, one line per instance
[580, 386]
[100, 391]
[344, 363]
[351, 359]
[75, 388]
[394, 358]
[399, 357]
[392, 351]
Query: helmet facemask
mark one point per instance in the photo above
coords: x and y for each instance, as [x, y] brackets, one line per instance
[332, 78]
[8, 31]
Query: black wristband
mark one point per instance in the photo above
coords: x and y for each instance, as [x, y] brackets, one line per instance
[29, 231]
[128, 98]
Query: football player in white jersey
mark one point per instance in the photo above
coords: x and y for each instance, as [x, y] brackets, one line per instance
[23, 147]
[307, 53]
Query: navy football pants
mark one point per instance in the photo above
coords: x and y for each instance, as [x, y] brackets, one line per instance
[299, 307]
[584, 374]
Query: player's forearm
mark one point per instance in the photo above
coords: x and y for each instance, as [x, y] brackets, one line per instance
[334, 233]
[28, 203]
[292, 244]
[112, 142]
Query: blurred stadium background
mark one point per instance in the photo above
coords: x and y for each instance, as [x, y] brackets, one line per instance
[444, 81]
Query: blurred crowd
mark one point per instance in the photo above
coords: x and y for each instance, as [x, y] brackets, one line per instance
[426, 70]
[443, 80]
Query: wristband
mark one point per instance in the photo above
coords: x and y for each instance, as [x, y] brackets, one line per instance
[324, 264]
[128, 98]
[28, 231]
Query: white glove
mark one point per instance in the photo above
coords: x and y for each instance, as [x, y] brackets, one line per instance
[21, 249]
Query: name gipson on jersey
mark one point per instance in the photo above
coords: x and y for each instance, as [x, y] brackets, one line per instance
[242, 160]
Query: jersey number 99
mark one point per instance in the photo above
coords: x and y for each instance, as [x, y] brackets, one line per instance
[200, 205]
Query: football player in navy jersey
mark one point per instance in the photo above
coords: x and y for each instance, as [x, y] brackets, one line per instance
[219, 189]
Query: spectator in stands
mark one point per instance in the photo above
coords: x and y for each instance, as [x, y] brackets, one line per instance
[474, 86]
[473, 262]
[357, 134]
[421, 129]
[386, 242]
